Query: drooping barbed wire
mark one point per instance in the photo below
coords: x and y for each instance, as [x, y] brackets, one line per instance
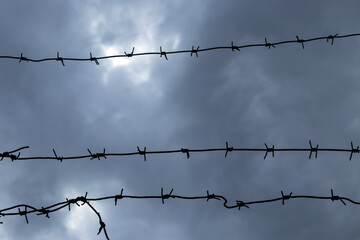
[25, 209]
[329, 39]
[313, 151]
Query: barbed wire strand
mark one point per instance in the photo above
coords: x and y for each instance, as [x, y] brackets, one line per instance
[313, 151]
[329, 39]
[82, 200]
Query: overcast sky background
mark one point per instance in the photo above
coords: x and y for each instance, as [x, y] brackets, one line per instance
[283, 96]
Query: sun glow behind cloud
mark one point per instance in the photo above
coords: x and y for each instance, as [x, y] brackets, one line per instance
[114, 50]
[135, 71]
[144, 23]
[81, 218]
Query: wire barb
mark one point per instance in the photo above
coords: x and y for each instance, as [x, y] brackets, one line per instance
[165, 196]
[268, 45]
[241, 204]
[119, 196]
[58, 58]
[56, 156]
[185, 150]
[312, 149]
[353, 150]
[71, 201]
[272, 150]
[163, 53]
[23, 58]
[194, 51]
[285, 197]
[23, 213]
[102, 226]
[12, 156]
[97, 155]
[211, 196]
[228, 149]
[142, 152]
[300, 41]
[334, 198]
[130, 54]
[233, 47]
[331, 37]
[82, 199]
[94, 59]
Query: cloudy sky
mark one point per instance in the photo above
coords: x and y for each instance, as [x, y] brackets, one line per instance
[284, 96]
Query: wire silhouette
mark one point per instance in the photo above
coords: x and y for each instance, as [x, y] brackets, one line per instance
[25, 210]
[330, 39]
[82, 200]
[267, 150]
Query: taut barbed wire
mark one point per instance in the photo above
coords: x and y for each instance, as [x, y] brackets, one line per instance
[195, 51]
[82, 200]
[267, 150]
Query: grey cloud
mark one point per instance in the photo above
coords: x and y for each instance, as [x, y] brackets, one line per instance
[283, 96]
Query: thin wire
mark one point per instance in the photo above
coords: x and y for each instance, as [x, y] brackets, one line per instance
[82, 200]
[330, 39]
[313, 151]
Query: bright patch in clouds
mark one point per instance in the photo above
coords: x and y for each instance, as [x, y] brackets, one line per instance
[138, 71]
[176, 42]
[143, 24]
[113, 50]
[82, 222]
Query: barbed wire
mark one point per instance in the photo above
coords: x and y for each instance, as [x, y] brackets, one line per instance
[330, 39]
[267, 150]
[25, 209]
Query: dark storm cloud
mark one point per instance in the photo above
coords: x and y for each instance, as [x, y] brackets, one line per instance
[283, 96]
[39, 106]
[278, 95]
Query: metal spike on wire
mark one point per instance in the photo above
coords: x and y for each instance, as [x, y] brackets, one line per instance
[300, 41]
[12, 156]
[103, 155]
[130, 54]
[94, 59]
[329, 38]
[194, 51]
[86, 201]
[58, 58]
